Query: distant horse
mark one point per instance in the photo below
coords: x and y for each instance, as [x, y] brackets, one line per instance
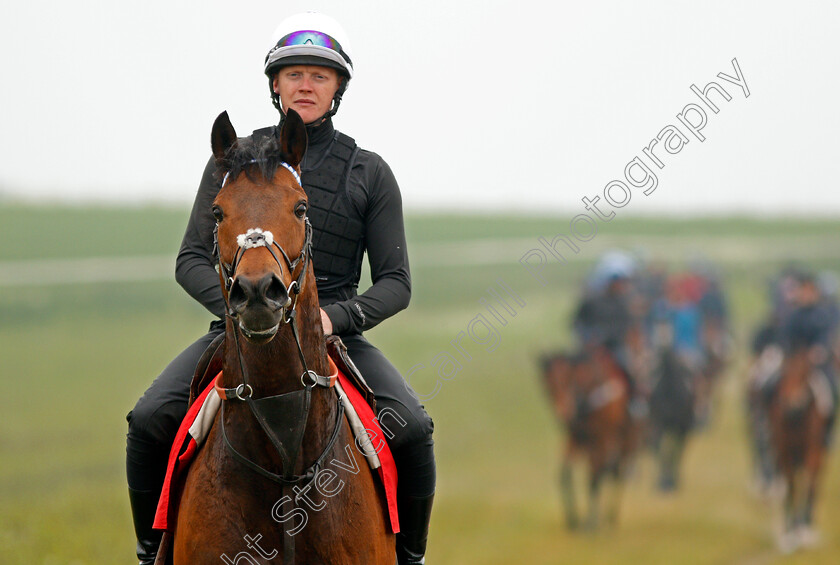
[590, 399]
[257, 486]
[716, 345]
[672, 410]
[797, 423]
[715, 355]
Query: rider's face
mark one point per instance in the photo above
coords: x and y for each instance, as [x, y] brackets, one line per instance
[308, 90]
[809, 293]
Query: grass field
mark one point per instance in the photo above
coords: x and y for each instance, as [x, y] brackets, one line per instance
[75, 357]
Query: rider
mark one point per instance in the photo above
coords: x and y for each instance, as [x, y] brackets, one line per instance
[782, 294]
[811, 325]
[355, 207]
[604, 318]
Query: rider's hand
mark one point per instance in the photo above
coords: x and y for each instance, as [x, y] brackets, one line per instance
[326, 323]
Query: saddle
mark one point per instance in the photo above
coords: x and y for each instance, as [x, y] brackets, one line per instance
[209, 365]
[338, 351]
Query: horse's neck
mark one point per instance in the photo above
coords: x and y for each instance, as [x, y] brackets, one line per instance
[276, 368]
[799, 367]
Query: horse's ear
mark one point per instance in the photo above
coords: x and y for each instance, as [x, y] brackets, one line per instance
[223, 136]
[293, 138]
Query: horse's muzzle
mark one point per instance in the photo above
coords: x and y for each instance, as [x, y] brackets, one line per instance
[259, 305]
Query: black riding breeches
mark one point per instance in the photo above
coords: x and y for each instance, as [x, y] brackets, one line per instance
[402, 418]
[155, 419]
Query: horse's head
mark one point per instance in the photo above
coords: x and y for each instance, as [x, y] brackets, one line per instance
[565, 376]
[263, 235]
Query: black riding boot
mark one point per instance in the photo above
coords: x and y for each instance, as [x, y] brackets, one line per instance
[143, 507]
[415, 514]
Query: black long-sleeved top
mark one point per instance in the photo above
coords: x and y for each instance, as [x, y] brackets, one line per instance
[603, 320]
[808, 326]
[376, 197]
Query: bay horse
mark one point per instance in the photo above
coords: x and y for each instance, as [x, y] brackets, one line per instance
[798, 426]
[258, 486]
[590, 400]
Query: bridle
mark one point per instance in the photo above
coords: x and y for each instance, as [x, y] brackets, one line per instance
[256, 237]
[283, 417]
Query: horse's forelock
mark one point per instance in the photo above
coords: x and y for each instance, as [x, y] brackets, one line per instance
[250, 156]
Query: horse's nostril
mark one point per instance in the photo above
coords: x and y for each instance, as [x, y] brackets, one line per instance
[237, 297]
[276, 292]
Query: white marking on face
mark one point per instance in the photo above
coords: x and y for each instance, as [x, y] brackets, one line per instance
[255, 237]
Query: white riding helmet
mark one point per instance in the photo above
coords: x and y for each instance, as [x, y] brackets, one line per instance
[309, 38]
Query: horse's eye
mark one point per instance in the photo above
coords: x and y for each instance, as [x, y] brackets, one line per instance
[300, 210]
[217, 213]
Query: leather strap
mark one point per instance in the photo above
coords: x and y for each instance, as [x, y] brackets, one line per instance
[244, 391]
[310, 472]
[326, 381]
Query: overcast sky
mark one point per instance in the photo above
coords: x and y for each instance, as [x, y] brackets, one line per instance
[500, 105]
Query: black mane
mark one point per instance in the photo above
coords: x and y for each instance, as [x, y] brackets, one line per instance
[262, 156]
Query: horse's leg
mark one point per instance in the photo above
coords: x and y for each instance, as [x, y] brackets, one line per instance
[596, 475]
[804, 494]
[768, 472]
[808, 536]
[667, 450]
[661, 459]
[679, 450]
[653, 438]
[702, 400]
[567, 493]
[805, 532]
[787, 539]
[763, 465]
[616, 476]
[632, 434]
[810, 494]
[598, 461]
